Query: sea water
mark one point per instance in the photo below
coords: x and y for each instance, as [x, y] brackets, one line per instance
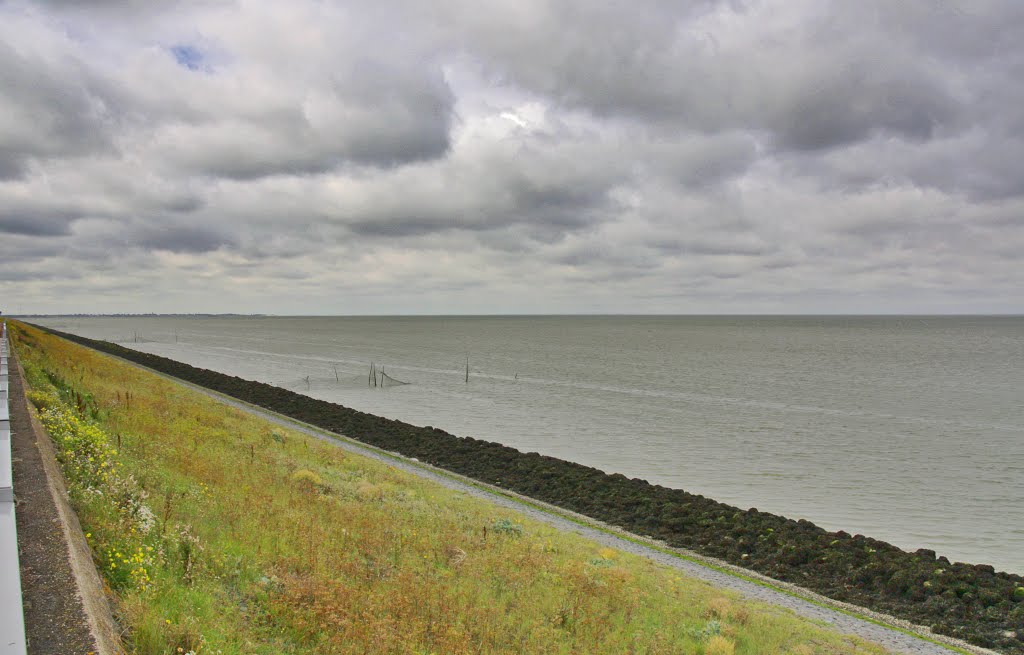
[908, 429]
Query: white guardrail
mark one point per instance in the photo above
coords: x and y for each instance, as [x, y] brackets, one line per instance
[12, 619]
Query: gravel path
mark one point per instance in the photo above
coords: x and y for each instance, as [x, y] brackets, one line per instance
[720, 574]
[55, 619]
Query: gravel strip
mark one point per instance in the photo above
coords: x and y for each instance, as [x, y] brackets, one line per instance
[56, 622]
[748, 584]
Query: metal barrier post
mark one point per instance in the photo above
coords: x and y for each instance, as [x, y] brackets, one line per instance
[12, 617]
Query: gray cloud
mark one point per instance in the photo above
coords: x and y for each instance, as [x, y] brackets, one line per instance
[832, 79]
[852, 106]
[8, 274]
[47, 110]
[393, 156]
[40, 222]
[393, 117]
[181, 239]
[404, 111]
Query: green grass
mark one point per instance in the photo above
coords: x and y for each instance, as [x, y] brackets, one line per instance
[222, 533]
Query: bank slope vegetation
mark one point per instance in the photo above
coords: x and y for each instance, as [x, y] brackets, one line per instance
[973, 602]
[219, 533]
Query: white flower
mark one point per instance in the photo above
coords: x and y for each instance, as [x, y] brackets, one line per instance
[146, 519]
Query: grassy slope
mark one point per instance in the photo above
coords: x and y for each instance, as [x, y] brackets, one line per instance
[973, 602]
[222, 533]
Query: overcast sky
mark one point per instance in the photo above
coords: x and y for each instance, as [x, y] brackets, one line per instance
[459, 156]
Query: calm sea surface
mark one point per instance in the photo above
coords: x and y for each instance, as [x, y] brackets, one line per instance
[907, 429]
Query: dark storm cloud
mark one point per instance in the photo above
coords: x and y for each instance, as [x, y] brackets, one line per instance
[550, 213]
[180, 239]
[182, 204]
[701, 162]
[16, 248]
[852, 107]
[12, 165]
[93, 4]
[980, 164]
[404, 111]
[394, 115]
[47, 110]
[403, 226]
[8, 274]
[989, 171]
[587, 256]
[560, 188]
[319, 105]
[833, 79]
[960, 32]
[704, 247]
[40, 222]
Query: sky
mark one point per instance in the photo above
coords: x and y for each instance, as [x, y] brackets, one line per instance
[520, 156]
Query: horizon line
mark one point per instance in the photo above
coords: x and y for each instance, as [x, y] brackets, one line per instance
[500, 315]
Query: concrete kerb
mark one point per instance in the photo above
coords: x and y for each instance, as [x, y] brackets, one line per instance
[12, 616]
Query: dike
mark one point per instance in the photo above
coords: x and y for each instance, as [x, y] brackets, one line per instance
[972, 602]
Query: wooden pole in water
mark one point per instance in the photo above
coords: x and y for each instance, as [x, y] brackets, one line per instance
[336, 378]
[467, 368]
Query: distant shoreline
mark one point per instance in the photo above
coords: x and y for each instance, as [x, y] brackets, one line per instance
[20, 316]
[527, 315]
